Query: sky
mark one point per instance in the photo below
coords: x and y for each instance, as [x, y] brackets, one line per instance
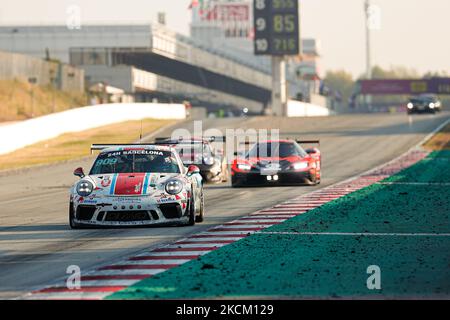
[413, 34]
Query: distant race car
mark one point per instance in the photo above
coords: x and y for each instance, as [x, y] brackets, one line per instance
[136, 185]
[424, 103]
[277, 162]
[200, 152]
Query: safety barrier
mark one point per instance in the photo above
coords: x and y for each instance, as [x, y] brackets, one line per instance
[22, 134]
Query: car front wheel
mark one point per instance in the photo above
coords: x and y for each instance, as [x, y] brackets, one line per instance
[200, 216]
[72, 223]
[191, 209]
[235, 183]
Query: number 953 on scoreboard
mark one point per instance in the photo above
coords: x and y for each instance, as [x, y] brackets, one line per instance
[277, 27]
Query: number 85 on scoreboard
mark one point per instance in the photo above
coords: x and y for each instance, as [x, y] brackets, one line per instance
[277, 29]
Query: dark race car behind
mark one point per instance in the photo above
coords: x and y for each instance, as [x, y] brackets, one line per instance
[200, 152]
[424, 104]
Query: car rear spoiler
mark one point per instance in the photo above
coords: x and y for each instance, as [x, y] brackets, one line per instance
[168, 142]
[163, 139]
[180, 140]
[100, 147]
[298, 141]
[308, 142]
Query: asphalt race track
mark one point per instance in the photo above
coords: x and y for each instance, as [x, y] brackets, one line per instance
[37, 245]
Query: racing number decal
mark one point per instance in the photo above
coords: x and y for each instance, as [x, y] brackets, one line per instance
[106, 162]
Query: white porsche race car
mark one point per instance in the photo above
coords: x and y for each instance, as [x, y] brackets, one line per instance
[136, 185]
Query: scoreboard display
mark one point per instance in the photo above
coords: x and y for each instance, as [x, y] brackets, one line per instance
[277, 27]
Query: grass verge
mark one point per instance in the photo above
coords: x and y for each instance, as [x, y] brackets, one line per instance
[77, 145]
[440, 141]
[20, 100]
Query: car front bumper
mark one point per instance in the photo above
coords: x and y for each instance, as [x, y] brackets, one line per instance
[130, 212]
[284, 177]
[421, 109]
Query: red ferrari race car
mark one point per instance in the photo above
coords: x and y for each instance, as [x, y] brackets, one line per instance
[277, 162]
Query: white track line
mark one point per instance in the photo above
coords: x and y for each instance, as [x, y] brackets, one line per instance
[269, 217]
[68, 295]
[212, 239]
[147, 272]
[187, 246]
[312, 200]
[416, 183]
[364, 234]
[172, 253]
[283, 211]
[226, 232]
[272, 220]
[242, 226]
[153, 262]
[104, 283]
[435, 131]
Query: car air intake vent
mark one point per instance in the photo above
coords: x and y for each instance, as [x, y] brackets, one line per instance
[284, 164]
[171, 210]
[85, 212]
[100, 216]
[127, 216]
[154, 215]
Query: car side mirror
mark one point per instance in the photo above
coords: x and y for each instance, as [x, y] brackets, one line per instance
[311, 151]
[193, 170]
[79, 172]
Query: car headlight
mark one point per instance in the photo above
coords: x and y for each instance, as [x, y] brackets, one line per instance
[85, 188]
[431, 105]
[410, 105]
[300, 165]
[244, 167]
[208, 160]
[174, 187]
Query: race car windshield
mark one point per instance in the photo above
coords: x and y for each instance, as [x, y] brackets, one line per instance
[422, 100]
[276, 150]
[136, 161]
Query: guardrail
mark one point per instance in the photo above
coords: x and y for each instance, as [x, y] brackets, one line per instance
[25, 133]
